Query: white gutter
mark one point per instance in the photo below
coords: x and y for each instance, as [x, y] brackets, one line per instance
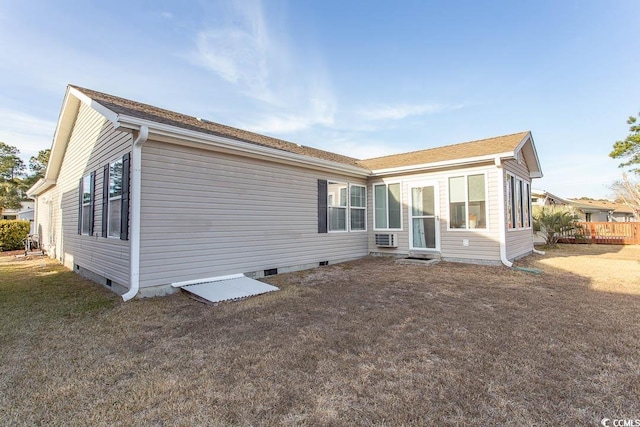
[134, 221]
[502, 216]
[161, 129]
[40, 187]
[441, 164]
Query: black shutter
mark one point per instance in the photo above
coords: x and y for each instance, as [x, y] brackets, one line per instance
[105, 199]
[322, 206]
[124, 213]
[80, 207]
[92, 207]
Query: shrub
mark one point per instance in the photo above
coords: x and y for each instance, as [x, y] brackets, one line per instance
[13, 233]
[554, 222]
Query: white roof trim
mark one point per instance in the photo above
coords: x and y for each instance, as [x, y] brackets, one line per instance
[107, 113]
[529, 138]
[236, 145]
[444, 163]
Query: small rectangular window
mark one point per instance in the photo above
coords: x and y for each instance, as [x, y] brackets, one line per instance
[87, 211]
[387, 206]
[358, 207]
[518, 202]
[526, 204]
[337, 206]
[457, 209]
[467, 202]
[115, 198]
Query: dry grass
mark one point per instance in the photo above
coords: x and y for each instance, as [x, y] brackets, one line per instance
[365, 343]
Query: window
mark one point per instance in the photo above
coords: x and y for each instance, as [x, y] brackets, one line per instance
[467, 202]
[115, 198]
[337, 206]
[518, 200]
[341, 207]
[86, 211]
[358, 210]
[387, 207]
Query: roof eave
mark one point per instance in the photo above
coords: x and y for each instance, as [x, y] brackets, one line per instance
[40, 187]
[469, 161]
[220, 142]
[536, 170]
[64, 126]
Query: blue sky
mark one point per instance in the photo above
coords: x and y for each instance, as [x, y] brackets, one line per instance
[362, 78]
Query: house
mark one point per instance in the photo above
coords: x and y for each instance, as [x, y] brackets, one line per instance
[602, 210]
[138, 198]
[545, 198]
[24, 212]
[587, 210]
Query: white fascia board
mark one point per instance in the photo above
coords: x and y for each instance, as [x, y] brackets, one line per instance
[40, 187]
[445, 163]
[208, 140]
[66, 121]
[107, 113]
[522, 142]
[529, 138]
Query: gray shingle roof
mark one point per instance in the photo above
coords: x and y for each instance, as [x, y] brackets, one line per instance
[149, 112]
[122, 106]
[482, 147]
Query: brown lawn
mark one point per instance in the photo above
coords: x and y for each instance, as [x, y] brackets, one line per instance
[363, 343]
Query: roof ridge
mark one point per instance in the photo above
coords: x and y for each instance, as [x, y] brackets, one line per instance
[446, 146]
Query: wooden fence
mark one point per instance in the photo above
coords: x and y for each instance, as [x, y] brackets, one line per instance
[608, 233]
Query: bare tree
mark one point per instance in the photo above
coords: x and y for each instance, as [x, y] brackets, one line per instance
[628, 192]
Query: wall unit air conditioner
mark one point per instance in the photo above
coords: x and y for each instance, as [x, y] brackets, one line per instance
[387, 240]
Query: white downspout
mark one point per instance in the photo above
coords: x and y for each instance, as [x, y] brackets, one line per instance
[502, 214]
[134, 221]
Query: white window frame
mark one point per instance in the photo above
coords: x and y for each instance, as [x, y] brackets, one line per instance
[111, 201]
[436, 201]
[332, 205]
[520, 188]
[466, 201]
[86, 205]
[362, 208]
[373, 189]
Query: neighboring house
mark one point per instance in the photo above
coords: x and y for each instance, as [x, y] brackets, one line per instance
[587, 210]
[544, 198]
[26, 207]
[602, 210]
[137, 197]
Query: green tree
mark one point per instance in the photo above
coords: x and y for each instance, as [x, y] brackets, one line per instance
[38, 164]
[629, 148]
[11, 165]
[11, 168]
[37, 169]
[554, 222]
[9, 196]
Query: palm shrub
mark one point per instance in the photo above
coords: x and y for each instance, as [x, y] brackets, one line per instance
[554, 222]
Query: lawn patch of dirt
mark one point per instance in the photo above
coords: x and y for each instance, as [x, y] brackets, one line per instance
[363, 343]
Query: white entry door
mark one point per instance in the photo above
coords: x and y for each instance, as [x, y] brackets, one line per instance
[424, 217]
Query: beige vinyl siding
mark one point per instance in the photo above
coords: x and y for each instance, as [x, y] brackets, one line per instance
[483, 244]
[93, 143]
[207, 214]
[519, 242]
